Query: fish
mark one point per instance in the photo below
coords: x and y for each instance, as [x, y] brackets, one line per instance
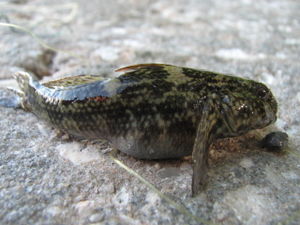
[153, 111]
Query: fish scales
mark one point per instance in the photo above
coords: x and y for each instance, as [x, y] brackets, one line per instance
[153, 111]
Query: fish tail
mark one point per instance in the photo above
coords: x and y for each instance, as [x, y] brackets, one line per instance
[24, 81]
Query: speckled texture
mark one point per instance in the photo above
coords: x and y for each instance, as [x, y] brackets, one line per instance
[154, 111]
[52, 180]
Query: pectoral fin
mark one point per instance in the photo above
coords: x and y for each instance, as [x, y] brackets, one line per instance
[204, 138]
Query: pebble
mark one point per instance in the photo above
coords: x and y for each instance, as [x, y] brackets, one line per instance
[275, 141]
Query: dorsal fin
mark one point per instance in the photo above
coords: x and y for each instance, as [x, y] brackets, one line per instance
[73, 81]
[140, 66]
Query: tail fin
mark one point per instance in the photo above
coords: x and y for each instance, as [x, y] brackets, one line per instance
[23, 79]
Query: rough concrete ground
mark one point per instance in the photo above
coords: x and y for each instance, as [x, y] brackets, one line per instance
[46, 179]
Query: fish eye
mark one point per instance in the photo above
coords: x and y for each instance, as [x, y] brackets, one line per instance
[261, 92]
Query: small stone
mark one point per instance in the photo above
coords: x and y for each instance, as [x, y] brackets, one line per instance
[10, 102]
[78, 155]
[275, 141]
[246, 163]
[97, 217]
[9, 98]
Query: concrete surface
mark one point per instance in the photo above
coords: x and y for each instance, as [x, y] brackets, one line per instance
[49, 179]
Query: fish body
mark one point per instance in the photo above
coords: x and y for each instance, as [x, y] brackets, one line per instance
[153, 111]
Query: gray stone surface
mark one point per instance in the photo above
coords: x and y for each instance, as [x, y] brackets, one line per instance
[48, 179]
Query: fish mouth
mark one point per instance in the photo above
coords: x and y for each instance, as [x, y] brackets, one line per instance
[271, 106]
[271, 112]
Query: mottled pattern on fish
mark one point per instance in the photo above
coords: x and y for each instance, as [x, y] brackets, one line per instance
[153, 111]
